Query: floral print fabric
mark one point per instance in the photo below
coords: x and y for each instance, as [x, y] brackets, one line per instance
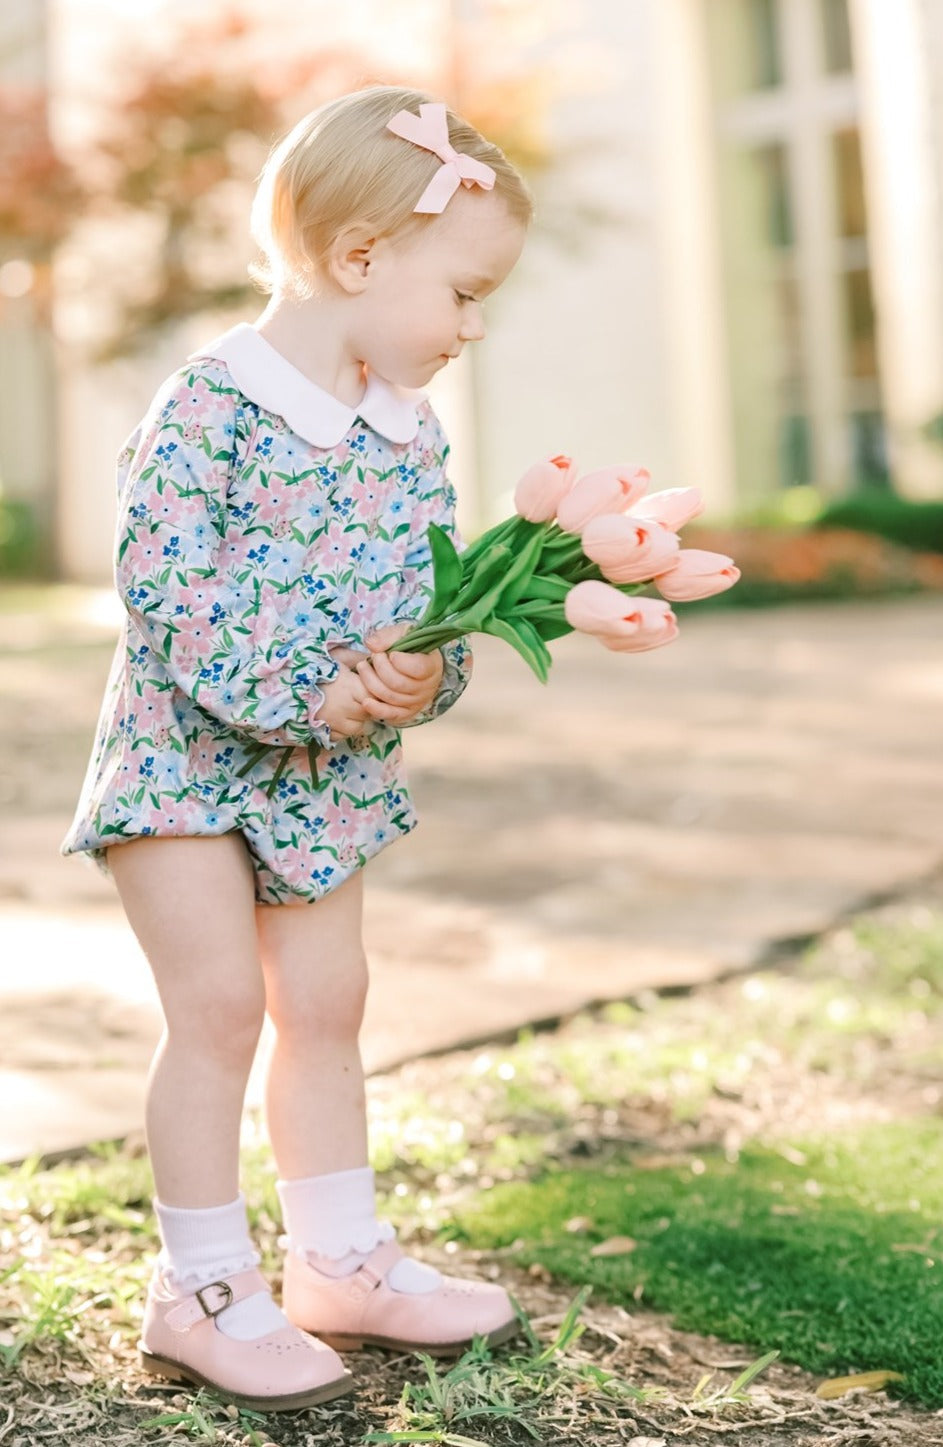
[243, 552]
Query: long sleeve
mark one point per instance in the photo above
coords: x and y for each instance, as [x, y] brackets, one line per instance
[437, 505]
[248, 652]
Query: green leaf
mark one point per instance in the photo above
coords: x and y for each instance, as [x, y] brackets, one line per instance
[491, 565]
[523, 637]
[447, 571]
[484, 604]
[548, 587]
[520, 574]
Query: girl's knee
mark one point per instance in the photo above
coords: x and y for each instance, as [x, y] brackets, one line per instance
[321, 1005]
[223, 1026]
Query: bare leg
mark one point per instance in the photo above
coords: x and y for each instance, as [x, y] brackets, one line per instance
[191, 904]
[316, 984]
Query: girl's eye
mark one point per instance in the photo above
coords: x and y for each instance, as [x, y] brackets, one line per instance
[463, 297]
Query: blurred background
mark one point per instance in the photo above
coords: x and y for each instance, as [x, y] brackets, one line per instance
[734, 275]
[734, 279]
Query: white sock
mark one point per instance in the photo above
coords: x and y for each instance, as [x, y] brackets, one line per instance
[331, 1221]
[207, 1244]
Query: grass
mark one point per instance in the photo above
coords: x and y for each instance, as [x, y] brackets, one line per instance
[832, 1261]
[760, 1158]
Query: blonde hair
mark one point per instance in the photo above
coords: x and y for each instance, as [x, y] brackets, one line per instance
[341, 166]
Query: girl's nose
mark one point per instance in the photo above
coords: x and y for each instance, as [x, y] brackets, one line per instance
[473, 325]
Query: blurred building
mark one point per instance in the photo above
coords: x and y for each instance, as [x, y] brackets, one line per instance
[760, 306]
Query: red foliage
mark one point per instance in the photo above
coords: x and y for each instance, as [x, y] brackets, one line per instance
[40, 193]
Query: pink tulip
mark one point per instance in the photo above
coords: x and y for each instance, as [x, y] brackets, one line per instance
[611, 489]
[673, 508]
[542, 486]
[697, 574]
[626, 625]
[629, 549]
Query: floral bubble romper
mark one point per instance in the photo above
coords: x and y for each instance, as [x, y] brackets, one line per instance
[260, 522]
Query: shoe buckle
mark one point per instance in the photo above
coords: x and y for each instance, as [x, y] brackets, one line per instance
[363, 1282]
[222, 1286]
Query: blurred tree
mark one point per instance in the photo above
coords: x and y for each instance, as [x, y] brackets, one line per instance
[41, 195]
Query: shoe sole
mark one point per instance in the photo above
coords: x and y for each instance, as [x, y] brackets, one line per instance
[156, 1366]
[344, 1343]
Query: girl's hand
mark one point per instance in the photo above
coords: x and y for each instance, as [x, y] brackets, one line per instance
[344, 704]
[400, 686]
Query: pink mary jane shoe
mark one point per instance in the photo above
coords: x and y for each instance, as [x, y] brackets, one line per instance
[180, 1340]
[348, 1312]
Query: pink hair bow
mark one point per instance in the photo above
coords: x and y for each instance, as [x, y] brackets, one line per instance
[430, 130]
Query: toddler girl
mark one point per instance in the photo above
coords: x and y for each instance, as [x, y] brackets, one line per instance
[271, 548]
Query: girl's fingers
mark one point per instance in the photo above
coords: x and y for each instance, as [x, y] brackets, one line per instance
[411, 665]
[383, 682]
[389, 713]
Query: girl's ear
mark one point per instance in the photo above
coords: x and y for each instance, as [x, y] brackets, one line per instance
[350, 259]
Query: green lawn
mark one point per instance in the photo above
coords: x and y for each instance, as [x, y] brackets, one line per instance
[837, 1261]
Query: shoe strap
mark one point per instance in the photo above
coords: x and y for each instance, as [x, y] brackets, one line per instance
[369, 1276]
[213, 1299]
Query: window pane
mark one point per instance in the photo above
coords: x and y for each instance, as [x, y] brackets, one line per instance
[763, 31]
[837, 36]
[870, 467]
[795, 451]
[849, 183]
[789, 360]
[859, 319]
[773, 173]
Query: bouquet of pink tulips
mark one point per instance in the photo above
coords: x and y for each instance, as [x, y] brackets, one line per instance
[573, 552]
[570, 558]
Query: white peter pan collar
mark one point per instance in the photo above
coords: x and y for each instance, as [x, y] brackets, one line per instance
[267, 378]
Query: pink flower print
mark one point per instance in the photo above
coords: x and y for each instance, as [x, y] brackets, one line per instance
[192, 432]
[141, 557]
[298, 862]
[335, 543]
[271, 508]
[161, 736]
[348, 856]
[188, 507]
[196, 404]
[427, 458]
[151, 820]
[362, 493]
[202, 761]
[193, 598]
[361, 608]
[281, 528]
[383, 599]
[193, 632]
[340, 455]
[149, 705]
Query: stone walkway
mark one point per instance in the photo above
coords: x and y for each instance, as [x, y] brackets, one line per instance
[638, 822]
